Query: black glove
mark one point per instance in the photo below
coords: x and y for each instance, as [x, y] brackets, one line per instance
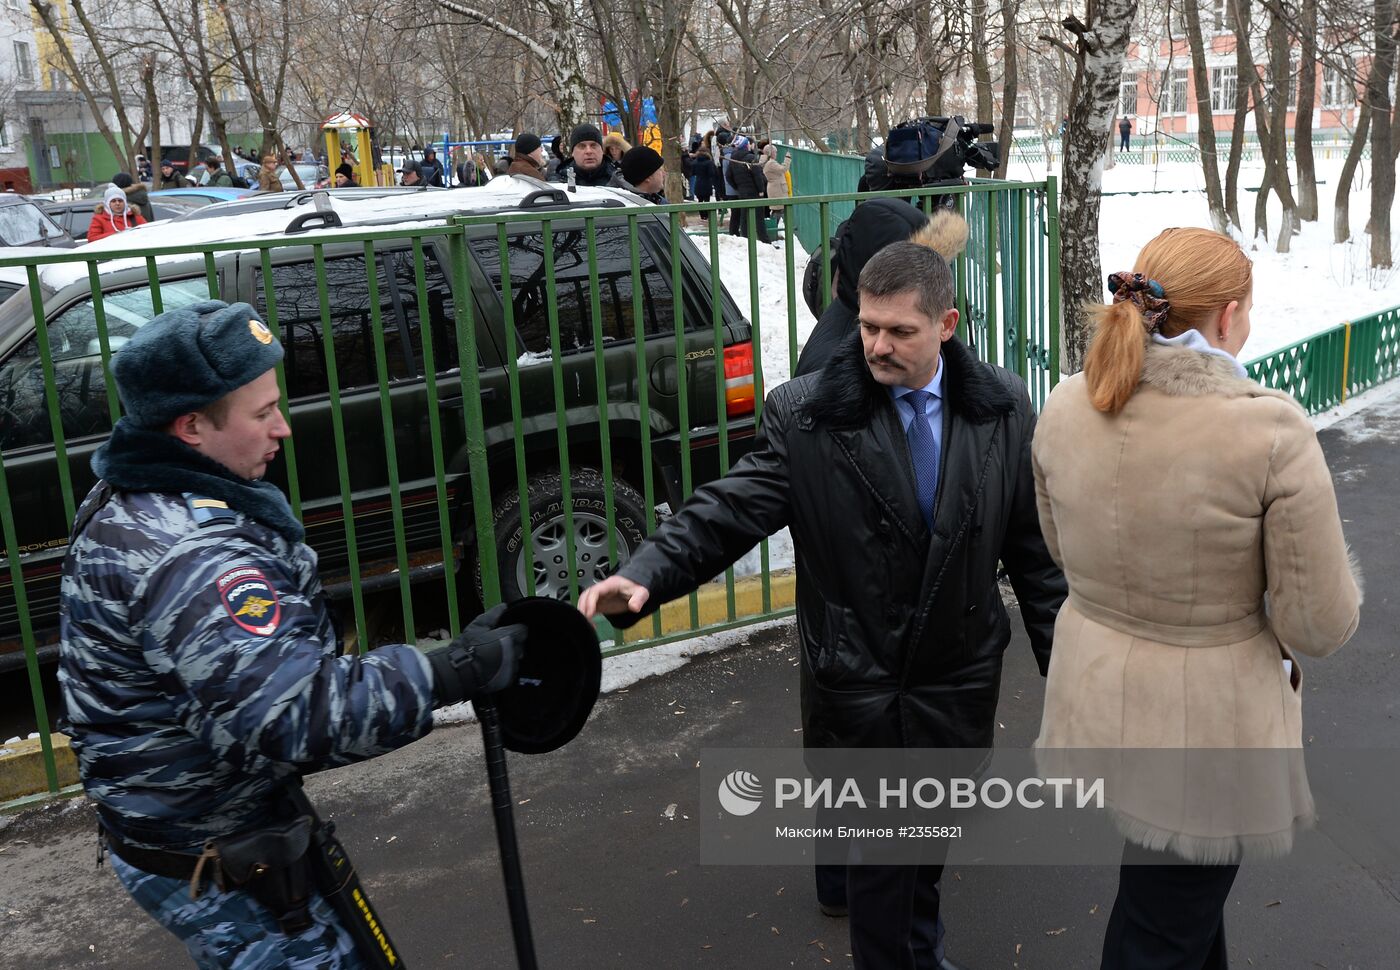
[482, 660]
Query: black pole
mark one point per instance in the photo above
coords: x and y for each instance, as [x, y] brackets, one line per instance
[505, 832]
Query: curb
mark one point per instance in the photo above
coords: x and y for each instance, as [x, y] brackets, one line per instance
[713, 606]
[22, 769]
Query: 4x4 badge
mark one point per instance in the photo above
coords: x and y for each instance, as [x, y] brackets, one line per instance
[259, 331]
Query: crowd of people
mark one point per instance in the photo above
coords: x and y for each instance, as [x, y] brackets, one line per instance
[911, 475]
[721, 165]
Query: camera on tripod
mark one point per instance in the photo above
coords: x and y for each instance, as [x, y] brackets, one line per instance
[929, 151]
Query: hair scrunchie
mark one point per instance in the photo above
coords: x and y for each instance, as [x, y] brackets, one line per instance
[1147, 295]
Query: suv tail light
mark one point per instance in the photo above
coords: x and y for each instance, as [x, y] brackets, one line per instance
[738, 379]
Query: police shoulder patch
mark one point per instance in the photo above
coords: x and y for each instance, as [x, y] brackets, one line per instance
[250, 600]
[209, 511]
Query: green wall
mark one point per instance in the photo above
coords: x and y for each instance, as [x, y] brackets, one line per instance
[94, 161]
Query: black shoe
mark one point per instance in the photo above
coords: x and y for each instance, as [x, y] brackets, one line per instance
[947, 964]
[834, 910]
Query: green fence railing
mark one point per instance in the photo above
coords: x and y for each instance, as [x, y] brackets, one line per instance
[1323, 370]
[483, 406]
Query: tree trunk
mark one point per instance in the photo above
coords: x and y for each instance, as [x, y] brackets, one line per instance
[1261, 203]
[1382, 162]
[1101, 51]
[1341, 213]
[148, 79]
[1205, 136]
[1280, 79]
[196, 136]
[1303, 126]
[1244, 74]
[981, 68]
[558, 50]
[78, 75]
[1010, 83]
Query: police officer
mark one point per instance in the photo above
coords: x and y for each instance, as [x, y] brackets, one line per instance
[200, 663]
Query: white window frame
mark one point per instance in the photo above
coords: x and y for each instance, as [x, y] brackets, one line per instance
[1223, 79]
[1337, 89]
[1178, 79]
[1128, 84]
[24, 63]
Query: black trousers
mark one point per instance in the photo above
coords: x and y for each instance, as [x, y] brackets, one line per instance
[893, 911]
[1169, 915]
[739, 223]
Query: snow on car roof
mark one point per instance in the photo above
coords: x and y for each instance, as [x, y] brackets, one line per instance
[397, 211]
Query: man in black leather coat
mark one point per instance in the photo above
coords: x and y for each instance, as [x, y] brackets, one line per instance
[900, 619]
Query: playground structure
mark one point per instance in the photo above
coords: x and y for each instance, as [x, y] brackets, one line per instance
[362, 129]
[491, 146]
[643, 112]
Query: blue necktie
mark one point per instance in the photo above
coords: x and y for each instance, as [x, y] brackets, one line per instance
[924, 450]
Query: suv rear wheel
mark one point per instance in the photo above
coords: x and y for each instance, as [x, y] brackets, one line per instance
[549, 562]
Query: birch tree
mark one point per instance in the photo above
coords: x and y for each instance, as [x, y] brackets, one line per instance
[1100, 50]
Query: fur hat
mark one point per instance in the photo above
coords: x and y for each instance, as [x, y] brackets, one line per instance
[639, 164]
[945, 233]
[186, 359]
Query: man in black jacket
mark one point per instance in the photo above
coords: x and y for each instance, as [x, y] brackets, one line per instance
[587, 163]
[903, 471]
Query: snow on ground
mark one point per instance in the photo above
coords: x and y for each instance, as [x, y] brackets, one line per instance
[1316, 286]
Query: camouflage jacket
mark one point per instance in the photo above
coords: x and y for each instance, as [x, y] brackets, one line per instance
[199, 667]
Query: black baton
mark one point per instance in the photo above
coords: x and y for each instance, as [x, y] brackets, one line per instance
[505, 832]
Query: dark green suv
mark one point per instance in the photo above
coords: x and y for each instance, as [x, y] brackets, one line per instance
[29, 453]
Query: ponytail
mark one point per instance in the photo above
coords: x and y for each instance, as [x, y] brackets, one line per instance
[1113, 364]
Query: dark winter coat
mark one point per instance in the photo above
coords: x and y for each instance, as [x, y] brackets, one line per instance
[746, 173]
[138, 198]
[706, 176]
[175, 181]
[431, 170]
[872, 227]
[524, 165]
[901, 633]
[602, 175]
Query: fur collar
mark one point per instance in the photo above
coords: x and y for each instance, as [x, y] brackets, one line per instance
[1183, 372]
[846, 396]
[136, 459]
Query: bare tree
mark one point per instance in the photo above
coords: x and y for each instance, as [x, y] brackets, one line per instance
[121, 141]
[1341, 213]
[1205, 128]
[1307, 99]
[1099, 53]
[1244, 75]
[1382, 161]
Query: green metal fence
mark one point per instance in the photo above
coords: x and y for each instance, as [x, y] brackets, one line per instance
[483, 406]
[1323, 370]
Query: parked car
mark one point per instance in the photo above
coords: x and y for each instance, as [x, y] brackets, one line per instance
[311, 174]
[16, 278]
[30, 455]
[23, 223]
[179, 155]
[294, 202]
[76, 216]
[204, 195]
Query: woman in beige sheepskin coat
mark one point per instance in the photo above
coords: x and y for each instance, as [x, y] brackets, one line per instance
[1194, 517]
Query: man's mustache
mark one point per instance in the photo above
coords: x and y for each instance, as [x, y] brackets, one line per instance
[885, 362]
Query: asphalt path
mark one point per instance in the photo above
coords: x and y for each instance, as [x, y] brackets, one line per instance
[615, 880]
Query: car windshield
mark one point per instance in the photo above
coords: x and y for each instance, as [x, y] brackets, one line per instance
[24, 223]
